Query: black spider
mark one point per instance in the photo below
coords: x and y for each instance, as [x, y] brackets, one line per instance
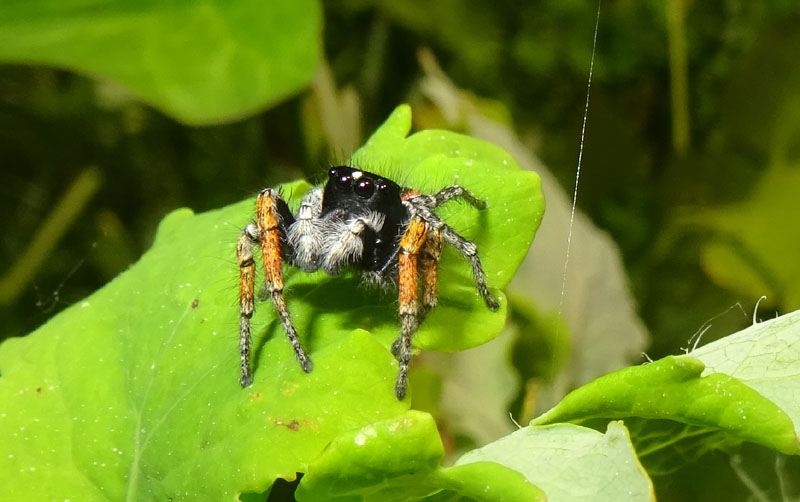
[359, 221]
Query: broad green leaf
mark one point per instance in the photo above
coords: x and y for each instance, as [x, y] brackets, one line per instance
[673, 388]
[202, 62]
[485, 482]
[133, 393]
[571, 463]
[387, 460]
[398, 460]
[766, 357]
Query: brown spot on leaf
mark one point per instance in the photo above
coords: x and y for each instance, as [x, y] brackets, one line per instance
[195, 303]
[294, 425]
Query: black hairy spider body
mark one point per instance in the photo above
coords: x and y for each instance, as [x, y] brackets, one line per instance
[363, 222]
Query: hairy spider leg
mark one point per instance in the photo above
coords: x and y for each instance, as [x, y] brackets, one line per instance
[270, 211]
[247, 269]
[456, 192]
[470, 252]
[408, 280]
[269, 221]
[423, 205]
[429, 257]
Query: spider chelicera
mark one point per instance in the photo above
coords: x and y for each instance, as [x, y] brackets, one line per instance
[358, 221]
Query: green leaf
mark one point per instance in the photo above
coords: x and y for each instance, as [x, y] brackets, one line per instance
[766, 357]
[680, 389]
[398, 460]
[486, 482]
[387, 460]
[133, 393]
[571, 463]
[202, 62]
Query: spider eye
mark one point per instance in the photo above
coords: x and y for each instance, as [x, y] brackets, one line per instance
[333, 172]
[341, 178]
[364, 188]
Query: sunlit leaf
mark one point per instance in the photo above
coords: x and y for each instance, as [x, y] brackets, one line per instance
[399, 460]
[133, 393]
[747, 393]
[572, 463]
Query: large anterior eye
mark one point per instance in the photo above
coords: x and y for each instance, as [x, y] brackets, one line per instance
[364, 188]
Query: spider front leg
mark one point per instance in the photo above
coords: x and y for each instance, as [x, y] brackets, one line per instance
[271, 214]
[470, 251]
[423, 206]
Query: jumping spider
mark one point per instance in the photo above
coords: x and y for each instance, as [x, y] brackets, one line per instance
[359, 221]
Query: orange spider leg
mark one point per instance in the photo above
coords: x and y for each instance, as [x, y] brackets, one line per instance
[408, 280]
[247, 269]
[267, 234]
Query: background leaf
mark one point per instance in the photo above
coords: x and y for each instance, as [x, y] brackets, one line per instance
[571, 463]
[748, 255]
[202, 62]
[764, 356]
[747, 393]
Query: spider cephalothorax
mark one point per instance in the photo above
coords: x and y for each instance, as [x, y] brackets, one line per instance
[359, 221]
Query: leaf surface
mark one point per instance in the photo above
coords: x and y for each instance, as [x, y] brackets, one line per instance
[398, 460]
[571, 463]
[766, 357]
[133, 393]
[747, 392]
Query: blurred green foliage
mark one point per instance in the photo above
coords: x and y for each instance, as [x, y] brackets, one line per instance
[690, 224]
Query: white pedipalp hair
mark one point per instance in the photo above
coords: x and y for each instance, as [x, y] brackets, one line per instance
[343, 243]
